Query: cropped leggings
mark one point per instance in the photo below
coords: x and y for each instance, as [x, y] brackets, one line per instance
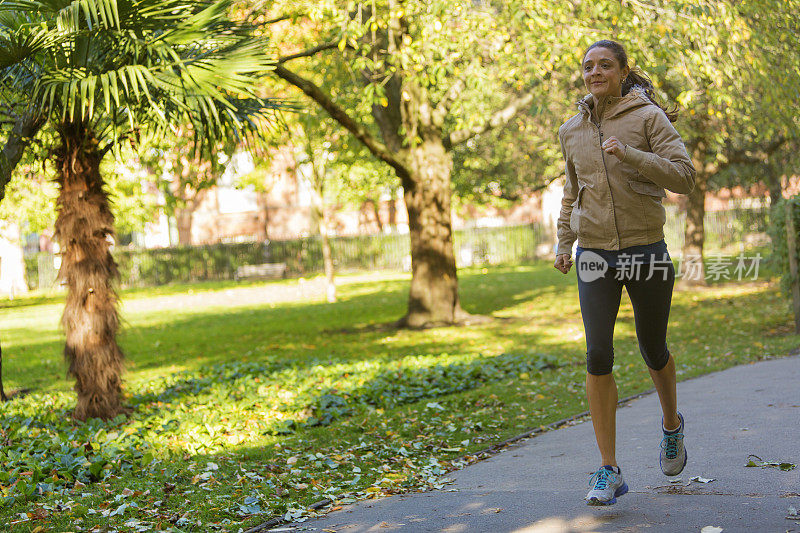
[651, 300]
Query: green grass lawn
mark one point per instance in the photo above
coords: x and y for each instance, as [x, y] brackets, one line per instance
[244, 412]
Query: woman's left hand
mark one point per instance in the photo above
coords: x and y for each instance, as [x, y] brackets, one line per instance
[616, 147]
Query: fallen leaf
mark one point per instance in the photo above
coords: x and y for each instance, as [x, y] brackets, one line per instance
[711, 529]
[700, 479]
[38, 514]
[793, 515]
[785, 466]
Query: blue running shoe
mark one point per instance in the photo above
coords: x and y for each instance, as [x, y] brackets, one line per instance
[605, 486]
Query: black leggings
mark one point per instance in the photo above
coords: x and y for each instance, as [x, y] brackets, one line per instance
[651, 301]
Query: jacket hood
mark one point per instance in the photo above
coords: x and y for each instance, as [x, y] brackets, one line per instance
[610, 106]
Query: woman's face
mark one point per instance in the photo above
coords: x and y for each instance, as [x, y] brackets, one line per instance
[602, 74]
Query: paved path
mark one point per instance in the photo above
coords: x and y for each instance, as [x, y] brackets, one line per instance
[538, 485]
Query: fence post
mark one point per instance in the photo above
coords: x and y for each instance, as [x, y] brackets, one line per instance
[792, 244]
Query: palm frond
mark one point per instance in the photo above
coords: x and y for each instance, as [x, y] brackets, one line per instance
[70, 16]
[132, 65]
[18, 44]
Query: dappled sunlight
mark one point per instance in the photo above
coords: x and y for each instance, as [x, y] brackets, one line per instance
[581, 524]
[288, 399]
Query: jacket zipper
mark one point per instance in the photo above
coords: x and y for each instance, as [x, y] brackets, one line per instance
[611, 195]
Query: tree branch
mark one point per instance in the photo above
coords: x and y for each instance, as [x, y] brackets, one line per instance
[444, 105]
[499, 118]
[258, 7]
[26, 127]
[340, 115]
[757, 155]
[312, 51]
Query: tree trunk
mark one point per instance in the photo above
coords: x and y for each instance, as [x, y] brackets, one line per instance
[2, 391]
[25, 128]
[327, 256]
[393, 212]
[433, 299]
[773, 178]
[84, 228]
[183, 220]
[692, 265]
[263, 217]
[376, 211]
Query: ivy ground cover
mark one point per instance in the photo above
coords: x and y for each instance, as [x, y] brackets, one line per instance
[244, 411]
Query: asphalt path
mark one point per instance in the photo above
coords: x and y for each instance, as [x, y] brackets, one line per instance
[538, 485]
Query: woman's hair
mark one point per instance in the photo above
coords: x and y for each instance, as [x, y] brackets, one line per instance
[636, 77]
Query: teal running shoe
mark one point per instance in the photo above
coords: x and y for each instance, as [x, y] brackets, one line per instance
[605, 486]
[673, 453]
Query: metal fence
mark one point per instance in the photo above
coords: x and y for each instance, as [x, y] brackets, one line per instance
[740, 226]
[475, 246]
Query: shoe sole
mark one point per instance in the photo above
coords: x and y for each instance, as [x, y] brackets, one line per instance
[619, 492]
[685, 459]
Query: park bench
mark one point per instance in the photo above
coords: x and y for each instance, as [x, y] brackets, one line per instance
[263, 271]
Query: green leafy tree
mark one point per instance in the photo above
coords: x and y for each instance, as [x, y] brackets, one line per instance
[718, 60]
[422, 78]
[183, 174]
[730, 66]
[30, 200]
[312, 152]
[97, 72]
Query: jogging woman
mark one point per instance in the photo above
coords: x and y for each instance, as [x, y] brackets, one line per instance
[621, 151]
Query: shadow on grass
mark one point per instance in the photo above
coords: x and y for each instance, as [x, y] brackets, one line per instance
[176, 339]
[380, 384]
[354, 329]
[256, 370]
[28, 301]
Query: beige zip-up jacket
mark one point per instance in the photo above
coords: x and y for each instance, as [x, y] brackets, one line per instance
[612, 204]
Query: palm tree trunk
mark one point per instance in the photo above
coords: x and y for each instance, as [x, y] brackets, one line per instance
[84, 228]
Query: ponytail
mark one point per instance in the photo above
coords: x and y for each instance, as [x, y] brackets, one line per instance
[638, 79]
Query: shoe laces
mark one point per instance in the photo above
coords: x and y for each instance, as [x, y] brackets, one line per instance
[600, 479]
[670, 444]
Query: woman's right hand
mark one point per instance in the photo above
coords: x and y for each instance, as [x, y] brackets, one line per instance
[563, 263]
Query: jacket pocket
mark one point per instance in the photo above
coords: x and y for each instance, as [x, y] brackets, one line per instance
[575, 216]
[645, 187]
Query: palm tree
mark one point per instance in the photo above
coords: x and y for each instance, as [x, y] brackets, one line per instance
[96, 73]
